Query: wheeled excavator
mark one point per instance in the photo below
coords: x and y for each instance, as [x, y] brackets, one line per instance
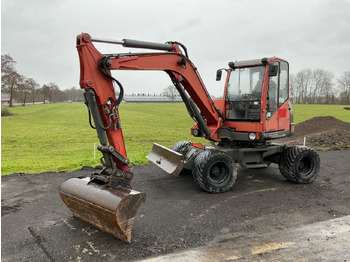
[254, 110]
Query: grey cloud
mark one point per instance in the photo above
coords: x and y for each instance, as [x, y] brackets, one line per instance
[40, 35]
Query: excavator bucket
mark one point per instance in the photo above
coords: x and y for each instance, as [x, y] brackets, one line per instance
[110, 209]
[168, 160]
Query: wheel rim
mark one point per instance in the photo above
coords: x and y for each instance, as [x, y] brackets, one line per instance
[219, 172]
[306, 166]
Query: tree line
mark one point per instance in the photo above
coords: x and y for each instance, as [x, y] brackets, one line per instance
[26, 90]
[307, 86]
[317, 87]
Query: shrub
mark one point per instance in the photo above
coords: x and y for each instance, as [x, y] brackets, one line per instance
[6, 112]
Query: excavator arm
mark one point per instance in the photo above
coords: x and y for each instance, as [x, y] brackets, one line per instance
[106, 199]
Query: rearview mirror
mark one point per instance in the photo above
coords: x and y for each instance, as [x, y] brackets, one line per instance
[273, 70]
[218, 75]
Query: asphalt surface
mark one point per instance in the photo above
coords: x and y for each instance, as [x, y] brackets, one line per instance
[322, 241]
[261, 214]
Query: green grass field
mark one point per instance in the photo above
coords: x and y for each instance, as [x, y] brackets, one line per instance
[57, 137]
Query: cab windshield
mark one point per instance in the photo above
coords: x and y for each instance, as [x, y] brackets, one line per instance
[244, 93]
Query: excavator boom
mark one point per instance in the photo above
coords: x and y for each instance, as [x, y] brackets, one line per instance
[106, 199]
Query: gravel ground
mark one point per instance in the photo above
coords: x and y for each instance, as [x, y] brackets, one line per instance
[177, 216]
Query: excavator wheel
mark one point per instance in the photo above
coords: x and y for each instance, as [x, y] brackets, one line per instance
[299, 164]
[214, 171]
[182, 148]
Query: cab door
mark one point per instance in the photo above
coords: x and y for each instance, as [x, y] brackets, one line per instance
[277, 109]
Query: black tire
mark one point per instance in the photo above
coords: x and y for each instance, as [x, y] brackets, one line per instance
[181, 147]
[214, 171]
[299, 164]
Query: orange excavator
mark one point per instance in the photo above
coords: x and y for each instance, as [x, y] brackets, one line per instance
[254, 110]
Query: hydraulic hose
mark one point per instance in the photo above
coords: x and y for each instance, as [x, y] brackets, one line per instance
[102, 66]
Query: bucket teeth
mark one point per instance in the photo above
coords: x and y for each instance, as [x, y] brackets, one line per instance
[110, 209]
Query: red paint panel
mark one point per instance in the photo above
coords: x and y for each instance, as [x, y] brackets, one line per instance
[200, 146]
[244, 126]
[282, 112]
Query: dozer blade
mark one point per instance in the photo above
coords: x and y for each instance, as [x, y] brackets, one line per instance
[168, 160]
[110, 210]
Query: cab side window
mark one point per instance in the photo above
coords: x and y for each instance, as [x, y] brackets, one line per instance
[272, 94]
[283, 94]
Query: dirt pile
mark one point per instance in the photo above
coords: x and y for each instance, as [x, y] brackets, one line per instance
[324, 133]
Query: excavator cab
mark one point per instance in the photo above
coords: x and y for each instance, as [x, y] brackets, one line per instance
[256, 99]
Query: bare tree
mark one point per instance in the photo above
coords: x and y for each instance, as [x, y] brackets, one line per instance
[47, 93]
[22, 90]
[10, 79]
[312, 86]
[57, 94]
[321, 86]
[31, 85]
[52, 93]
[7, 64]
[10, 83]
[301, 85]
[344, 88]
[74, 94]
[170, 92]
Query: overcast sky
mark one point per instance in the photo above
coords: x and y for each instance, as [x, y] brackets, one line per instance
[40, 35]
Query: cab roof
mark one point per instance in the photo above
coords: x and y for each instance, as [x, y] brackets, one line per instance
[252, 62]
